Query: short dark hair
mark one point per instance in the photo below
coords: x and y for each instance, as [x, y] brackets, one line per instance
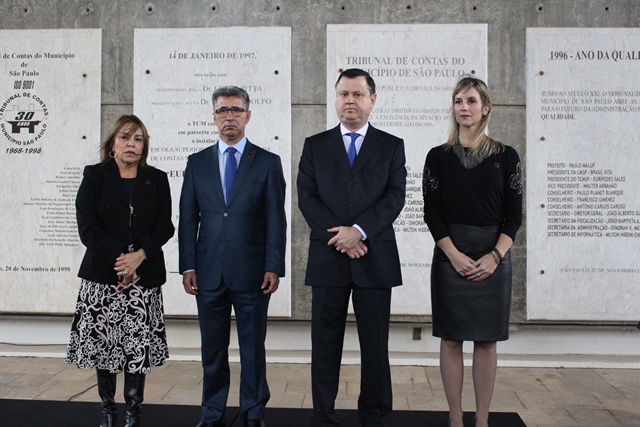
[352, 73]
[231, 91]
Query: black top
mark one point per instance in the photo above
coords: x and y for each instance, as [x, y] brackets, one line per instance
[487, 194]
[128, 185]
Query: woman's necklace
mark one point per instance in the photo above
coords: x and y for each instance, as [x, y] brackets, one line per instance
[468, 158]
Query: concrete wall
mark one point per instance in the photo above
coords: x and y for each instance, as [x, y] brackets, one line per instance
[507, 21]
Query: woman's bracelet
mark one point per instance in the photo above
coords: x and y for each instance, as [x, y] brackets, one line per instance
[497, 256]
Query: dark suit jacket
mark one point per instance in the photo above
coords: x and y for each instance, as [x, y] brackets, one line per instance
[102, 210]
[370, 195]
[240, 240]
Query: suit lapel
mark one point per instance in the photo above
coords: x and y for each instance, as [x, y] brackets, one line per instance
[112, 177]
[213, 171]
[368, 149]
[335, 145]
[248, 155]
[142, 185]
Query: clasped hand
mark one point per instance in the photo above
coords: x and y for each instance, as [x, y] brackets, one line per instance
[475, 271]
[348, 240]
[126, 266]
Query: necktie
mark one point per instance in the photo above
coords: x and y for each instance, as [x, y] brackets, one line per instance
[230, 171]
[351, 153]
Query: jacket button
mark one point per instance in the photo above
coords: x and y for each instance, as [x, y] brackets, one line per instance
[352, 205]
[225, 214]
[352, 182]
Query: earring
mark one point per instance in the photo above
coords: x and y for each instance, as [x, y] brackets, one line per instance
[112, 154]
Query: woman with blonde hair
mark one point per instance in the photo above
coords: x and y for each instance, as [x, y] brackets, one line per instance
[472, 189]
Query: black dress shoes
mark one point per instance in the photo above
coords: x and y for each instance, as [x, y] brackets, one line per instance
[214, 424]
[248, 423]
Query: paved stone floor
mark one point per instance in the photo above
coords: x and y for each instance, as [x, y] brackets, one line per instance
[542, 396]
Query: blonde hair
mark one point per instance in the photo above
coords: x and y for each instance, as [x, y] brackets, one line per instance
[482, 145]
[107, 145]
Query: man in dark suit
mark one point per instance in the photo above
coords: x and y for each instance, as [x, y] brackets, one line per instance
[351, 187]
[232, 237]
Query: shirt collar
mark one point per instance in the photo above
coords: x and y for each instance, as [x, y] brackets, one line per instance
[362, 131]
[222, 146]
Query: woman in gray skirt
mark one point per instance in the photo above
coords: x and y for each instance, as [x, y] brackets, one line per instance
[472, 188]
[123, 209]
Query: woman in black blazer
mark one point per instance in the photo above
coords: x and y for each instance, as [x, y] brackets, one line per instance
[123, 210]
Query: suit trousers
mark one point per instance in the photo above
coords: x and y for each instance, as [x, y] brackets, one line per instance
[214, 314]
[372, 307]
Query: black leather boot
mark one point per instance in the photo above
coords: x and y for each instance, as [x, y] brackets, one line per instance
[106, 390]
[133, 395]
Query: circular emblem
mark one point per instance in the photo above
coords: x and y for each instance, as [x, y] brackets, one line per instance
[23, 118]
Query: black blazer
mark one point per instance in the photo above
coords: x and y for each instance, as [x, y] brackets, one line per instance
[371, 195]
[102, 210]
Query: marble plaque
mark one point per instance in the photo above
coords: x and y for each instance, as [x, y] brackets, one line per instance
[415, 68]
[49, 130]
[175, 73]
[583, 145]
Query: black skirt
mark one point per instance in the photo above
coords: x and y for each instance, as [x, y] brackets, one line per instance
[464, 310]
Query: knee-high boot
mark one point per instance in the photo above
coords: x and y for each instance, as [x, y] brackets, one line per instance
[107, 390]
[133, 395]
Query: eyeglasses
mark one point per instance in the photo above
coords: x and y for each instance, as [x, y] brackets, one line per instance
[223, 111]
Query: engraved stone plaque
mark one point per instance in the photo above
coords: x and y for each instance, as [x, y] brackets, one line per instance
[49, 130]
[175, 73]
[583, 209]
